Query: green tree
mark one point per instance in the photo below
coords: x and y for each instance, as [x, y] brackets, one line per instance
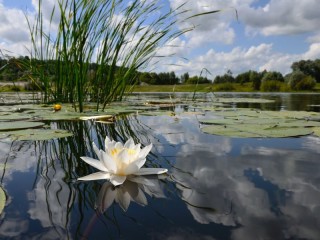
[184, 77]
[308, 67]
[255, 78]
[297, 80]
[272, 76]
[226, 78]
[243, 77]
[198, 80]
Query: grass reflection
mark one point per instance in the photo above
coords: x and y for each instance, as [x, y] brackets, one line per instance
[59, 201]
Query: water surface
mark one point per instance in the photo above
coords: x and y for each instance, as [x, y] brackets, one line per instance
[217, 187]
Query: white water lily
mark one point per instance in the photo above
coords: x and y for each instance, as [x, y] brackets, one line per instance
[119, 161]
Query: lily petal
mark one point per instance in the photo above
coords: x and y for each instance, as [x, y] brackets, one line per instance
[140, 162]
[109, 144]
[129, 143]
[118, 145]
[95, 176]
[109, 163]
[97, 151]
[117, 179]
[144, 151]
[131, 168]
[150, 171]
[123, 156]
[95, 163]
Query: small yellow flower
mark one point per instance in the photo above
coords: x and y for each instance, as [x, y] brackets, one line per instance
[57, 107]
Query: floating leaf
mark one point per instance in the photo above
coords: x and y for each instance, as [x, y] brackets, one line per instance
[158, 113]
[243, 100]
[316, 131]
[254, 131]
[15, 116]
[291, 114]
[7, 126]
[39, 134]
[3, 199]
[254, 123]
[218, 121]
[98, 117]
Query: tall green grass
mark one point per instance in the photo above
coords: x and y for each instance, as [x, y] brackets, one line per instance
[97, 47]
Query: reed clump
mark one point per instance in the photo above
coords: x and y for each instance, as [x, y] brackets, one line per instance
[95, 50]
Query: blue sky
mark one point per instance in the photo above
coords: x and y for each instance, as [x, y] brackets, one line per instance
[269, 34]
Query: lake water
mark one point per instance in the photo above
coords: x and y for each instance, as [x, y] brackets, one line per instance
[216, 188]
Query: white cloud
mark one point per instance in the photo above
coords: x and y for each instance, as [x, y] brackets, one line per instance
[237, 60]
[282, 17]
[313, 51]
[13, 27]
[285, 17]
[208, 28]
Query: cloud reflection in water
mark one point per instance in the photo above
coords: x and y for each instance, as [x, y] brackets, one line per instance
[264, 192]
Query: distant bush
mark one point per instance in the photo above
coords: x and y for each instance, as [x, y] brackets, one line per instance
[308, 83]
[271, 86]
[10, 88]
[224, 86]
[272, 76]
[297, 80]
[255, 78]
[197, 80]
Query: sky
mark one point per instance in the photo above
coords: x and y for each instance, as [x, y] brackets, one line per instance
[263, 35]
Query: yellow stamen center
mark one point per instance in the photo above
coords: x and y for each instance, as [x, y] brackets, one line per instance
[131, 151]
[114, 152]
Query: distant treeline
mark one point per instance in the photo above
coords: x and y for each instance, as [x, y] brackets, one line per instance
[304, 76]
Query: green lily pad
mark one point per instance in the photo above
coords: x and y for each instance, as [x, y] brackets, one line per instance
[254, 123]
[262, 121]
[14, 116]
[158, 113]
[3, 199]
[7, 126]
[316, 131]
[38, 134]
[239, 113]
[219, 121]
[291, 114]
[97, 117]
[243, 100]
[256, 131]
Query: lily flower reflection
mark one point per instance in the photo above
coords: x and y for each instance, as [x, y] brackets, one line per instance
[119, 161]
[133, 189]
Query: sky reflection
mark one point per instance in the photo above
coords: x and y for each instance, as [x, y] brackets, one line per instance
[217, 187]
[266, 190]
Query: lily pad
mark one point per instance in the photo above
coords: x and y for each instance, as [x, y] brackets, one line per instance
[38, 134]
[291, 114]
[243, 100]
[7, 126]
[98, 117]
[14, 116]
[254, 123]
[3, 199]
[158, 113]
[316, 131]
[256, 131]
